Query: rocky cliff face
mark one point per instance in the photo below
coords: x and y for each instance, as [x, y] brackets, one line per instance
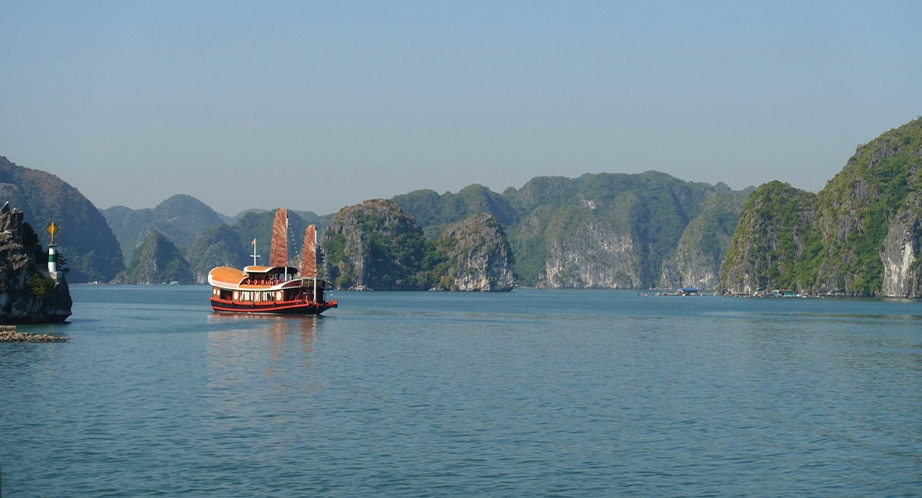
[86, 240]
[27, 295]
[375, 245]
[864, 212]
[156, 261]
[604, 230]
[900, 251]
[596, 231]
[479, 257]
[768, 241]
[859, 236]
[585, 250]
[700, 253]
[216, 246]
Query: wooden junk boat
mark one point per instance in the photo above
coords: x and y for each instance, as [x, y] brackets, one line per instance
[277, 288]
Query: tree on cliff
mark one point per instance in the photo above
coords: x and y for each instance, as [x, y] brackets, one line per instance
[376, 245]
[859, 236]
[27, 293]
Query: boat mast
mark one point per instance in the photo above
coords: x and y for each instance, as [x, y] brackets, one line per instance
[315, 263]
[254, 252]
[286, 246]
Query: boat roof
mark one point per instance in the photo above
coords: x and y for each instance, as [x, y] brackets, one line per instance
[226, 275]
[269, 269]
[233, 277]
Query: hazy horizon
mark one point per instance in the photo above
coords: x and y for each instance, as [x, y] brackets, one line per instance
[317, 106]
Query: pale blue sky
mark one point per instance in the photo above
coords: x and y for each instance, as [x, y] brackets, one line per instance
[315, 106]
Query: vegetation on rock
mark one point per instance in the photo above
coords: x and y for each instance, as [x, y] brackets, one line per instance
[697, 259]
[156, 261]
[769, 240]
[216, 246]
[91, 248]
[859, 236]
[478, 256]
[181, 218]
[433, 212]
[376, 245]
[599, 230]
[27, 293]
[603, 230]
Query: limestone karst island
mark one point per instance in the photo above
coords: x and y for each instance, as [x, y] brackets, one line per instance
[859, 236]
[31, 288]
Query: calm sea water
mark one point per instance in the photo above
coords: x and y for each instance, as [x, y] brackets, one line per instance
[528, 393]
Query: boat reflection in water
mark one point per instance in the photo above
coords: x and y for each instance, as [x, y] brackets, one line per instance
[278, 329]
[271, 347]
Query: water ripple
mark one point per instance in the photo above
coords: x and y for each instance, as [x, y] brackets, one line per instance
[414, 394]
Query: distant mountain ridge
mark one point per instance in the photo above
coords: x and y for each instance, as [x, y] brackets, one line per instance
[859, 236]
[180, 218]
[599, 230]
[156, 261]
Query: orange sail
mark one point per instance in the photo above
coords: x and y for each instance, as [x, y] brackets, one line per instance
[309, 253]
[279, 254]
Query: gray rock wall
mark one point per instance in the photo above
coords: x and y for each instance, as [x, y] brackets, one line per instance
[479, 255]
[27, 293]
[900, 250]
[594, 255]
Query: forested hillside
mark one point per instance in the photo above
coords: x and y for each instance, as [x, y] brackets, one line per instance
[86, 241]
[859, 236]
[598, 230]
[180, 218]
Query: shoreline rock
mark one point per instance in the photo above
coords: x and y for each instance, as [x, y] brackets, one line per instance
[13, 336]
[28, 293]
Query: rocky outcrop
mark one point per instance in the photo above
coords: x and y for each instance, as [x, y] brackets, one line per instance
[216, 246]
[864, 212]
[27, 293]
[375, 245]
[13, 336]
[602, 230]
[900, 251]
[586, 251]
[596, 231]
[479, 257]
[86, 240]
[700, 253]
[768, 240]
[859, 236]
[156, 261]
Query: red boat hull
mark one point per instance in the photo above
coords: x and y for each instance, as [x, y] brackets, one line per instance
[272, 308]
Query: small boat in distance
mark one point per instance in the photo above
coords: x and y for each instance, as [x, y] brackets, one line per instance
[277, 288]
